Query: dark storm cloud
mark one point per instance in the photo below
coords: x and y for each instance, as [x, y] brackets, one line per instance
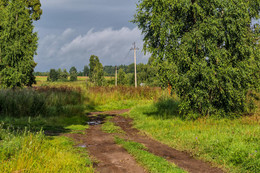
[72, 30]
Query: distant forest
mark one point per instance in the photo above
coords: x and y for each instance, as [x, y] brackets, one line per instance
[109, 70]
[146, 73]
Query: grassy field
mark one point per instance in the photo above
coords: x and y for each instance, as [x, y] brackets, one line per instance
[24, 113]
[23, 151]
[60, 107]
[55, 107]
[233, 144]
[109, 97]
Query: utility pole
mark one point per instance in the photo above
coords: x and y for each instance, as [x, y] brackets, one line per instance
[116, 76]
[135, 49]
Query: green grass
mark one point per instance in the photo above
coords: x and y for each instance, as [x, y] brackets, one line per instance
[152, 163]
[109, 97]
[58, 107]
[33, 152]
[57, 124]
[52, 109]
[121, 97]
[109, 127]
[77, 129]
[231, 143]
[41, 101]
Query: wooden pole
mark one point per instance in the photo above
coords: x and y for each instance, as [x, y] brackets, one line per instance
[116, 77]
[135, 49]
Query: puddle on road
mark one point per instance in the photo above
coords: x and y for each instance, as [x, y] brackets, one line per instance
[93, 123]
[82, 146]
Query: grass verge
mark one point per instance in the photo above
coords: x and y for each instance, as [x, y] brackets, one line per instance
[34, 152]
[152, 163]
[231, 143]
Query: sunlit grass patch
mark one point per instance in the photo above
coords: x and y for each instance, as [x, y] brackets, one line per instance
[77, 127]
[33, 152]
[230, 143]
[110, 127]
[152, 163]
[121, 97]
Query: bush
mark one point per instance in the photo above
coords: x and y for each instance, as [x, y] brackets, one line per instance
[73, 76]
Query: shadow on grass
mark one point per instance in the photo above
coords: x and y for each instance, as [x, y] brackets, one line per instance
[165, 108]
[52, 126]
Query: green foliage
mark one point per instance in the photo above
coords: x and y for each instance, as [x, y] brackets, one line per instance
[152, 163]
[73, 74]
[29, 152]
[96, 71]
[18, 42]
[86, 70]
[73, 70]
[121, 77]
[64, 75]
[207, 50]
[109, 70]
[110, 127]
[40, 73]
[53, 75]
[35, 8]
[231, 143]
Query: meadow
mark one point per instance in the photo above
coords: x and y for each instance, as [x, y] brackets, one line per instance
[33, 119]
[232, 144]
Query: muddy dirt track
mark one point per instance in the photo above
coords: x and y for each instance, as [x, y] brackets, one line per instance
[112, 158]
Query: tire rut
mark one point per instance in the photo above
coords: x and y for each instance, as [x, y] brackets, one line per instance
[181, 159]
[111, 158]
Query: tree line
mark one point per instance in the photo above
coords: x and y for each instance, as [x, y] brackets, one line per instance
[146, 73]
[207, 51]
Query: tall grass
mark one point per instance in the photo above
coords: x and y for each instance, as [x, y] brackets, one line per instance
[109, 97]
[29, 152]
[103, 94]
[121, 97]
[44, 101]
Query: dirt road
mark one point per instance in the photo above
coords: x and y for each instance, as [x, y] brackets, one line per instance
[112, 158]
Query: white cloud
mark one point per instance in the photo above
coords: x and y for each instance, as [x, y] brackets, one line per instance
[68, 49]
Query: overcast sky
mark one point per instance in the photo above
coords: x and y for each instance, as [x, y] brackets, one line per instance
[70, 31]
